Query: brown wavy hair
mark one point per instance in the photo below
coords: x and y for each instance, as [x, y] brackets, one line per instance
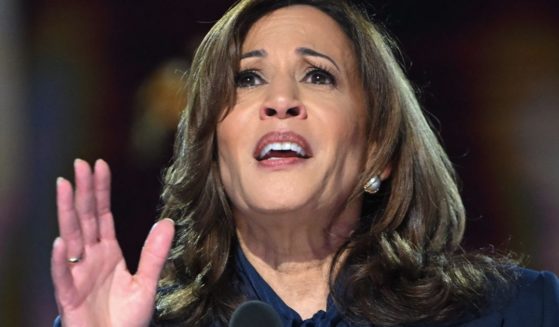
[402, 264]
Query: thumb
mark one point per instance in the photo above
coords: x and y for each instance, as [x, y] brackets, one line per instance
[155, 251]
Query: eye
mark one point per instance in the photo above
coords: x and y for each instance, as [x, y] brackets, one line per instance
[319, 76]
[248, 78]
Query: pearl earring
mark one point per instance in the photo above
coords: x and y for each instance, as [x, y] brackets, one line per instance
[373, 185]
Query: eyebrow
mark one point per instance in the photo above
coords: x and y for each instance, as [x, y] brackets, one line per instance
[261, 53]
[254, 53]
[313, 53]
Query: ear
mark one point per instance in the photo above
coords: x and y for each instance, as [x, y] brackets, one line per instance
[386, 172]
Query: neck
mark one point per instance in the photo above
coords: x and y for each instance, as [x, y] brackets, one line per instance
[294, 252]
[280, 239]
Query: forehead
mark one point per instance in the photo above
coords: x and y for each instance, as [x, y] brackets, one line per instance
[298, 25]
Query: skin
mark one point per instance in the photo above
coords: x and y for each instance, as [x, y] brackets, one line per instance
[292, 218]
[99, 290]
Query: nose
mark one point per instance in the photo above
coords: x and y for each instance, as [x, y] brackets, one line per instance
[282, 101]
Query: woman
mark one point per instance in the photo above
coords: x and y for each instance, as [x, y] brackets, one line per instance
[305, 176]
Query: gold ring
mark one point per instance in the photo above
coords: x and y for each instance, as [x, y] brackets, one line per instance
[74, 259]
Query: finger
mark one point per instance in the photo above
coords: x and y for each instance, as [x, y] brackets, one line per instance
[85, 202]
[155, 251]
[61, 275]
[102, 181]
[68, 223]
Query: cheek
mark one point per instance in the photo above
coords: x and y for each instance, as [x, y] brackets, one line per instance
[233, 135]
[224, 161]
[226, 130]
[355, 121]
[349, 140]
[352, 145]
[230, 165]
[225, 149]
[347, 128]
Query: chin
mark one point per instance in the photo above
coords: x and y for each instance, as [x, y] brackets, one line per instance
[277, 201]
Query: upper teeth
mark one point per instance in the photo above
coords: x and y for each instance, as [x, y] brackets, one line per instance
[282, 146]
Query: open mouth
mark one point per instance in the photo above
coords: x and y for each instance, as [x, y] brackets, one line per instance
[281, 150]
[276, 145]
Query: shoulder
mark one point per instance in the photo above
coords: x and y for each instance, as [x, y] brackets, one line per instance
[532, 300]
[536, 300]
[540, 284]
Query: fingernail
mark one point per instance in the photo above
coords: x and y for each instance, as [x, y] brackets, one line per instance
[57, 242]
[77, 160]
[169, 219]
[100, 162]
[153, 226]
[59, 180]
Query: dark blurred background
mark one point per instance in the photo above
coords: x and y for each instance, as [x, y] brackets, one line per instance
[102, 79]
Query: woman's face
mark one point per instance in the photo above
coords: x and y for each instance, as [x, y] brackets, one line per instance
[295, 138]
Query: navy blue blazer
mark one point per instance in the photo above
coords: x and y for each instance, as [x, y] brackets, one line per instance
[532, 301]
[534, 304]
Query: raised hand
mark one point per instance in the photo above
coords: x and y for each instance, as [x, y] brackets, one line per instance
[92, 285]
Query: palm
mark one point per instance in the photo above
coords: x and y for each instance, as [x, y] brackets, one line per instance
[99, 290]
